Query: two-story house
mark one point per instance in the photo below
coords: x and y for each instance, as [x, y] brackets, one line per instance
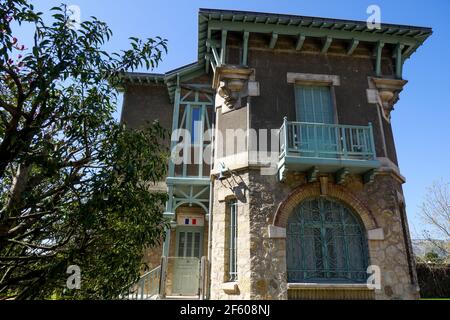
[284, 181]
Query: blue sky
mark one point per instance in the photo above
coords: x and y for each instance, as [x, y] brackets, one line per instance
[421, 117]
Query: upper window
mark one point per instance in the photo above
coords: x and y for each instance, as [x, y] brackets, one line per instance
[314, 104]
[325, 243]
[196, 125]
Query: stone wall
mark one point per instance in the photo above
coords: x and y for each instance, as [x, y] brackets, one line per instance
[262, 256]
[221, 288]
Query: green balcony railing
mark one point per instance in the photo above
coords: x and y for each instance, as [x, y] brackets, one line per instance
[326, 141]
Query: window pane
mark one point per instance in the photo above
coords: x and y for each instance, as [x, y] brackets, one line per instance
[197, 244]
[189, 244]
[181, 244]
[196, 125]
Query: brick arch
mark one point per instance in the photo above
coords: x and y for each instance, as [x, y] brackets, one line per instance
[334, 191]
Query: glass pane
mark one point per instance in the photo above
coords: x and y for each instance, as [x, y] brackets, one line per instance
[197, 244]
[196, 125]
[181, 244]
[189, 244]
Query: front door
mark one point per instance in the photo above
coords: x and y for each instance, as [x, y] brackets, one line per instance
[187, 262]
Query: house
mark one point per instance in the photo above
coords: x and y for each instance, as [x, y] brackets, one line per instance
[284, 181]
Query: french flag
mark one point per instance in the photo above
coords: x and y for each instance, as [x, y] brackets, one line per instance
[189, 221]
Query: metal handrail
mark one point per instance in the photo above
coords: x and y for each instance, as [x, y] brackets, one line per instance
[147, 286]
[332, 141]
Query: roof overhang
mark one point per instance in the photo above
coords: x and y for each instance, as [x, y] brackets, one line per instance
[409, 37]
[244, 21]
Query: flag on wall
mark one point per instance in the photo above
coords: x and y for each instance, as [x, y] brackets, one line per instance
[190, 221]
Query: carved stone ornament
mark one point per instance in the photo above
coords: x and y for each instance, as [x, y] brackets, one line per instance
[388, 94]
[232, 85]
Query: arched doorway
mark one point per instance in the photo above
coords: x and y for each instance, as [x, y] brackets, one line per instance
[326, 242]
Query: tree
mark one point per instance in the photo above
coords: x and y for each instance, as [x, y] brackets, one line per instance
[432, 257]
[435, 213]
[74, 184]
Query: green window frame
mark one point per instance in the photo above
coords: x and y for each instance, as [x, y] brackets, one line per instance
[325, 242]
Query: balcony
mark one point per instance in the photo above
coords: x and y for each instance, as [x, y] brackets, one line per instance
[327, 148]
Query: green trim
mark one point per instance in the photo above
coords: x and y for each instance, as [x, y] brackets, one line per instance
[326, 44]
[342, 163]
[273, 40]
[188, 181]
[223, 47]
[378, 52]
[399, 61]
[245, 48]
[352, 47]
[300, 42]
[311, 32]
[295, 21]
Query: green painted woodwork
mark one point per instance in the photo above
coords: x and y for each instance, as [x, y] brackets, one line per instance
[326, 44]
[223, 47]
[338, 147]
[311, 32]
[399, 60]
[325, 243]
[273, 40]
[378, 51]
[245, 48]
[300, 42]
[332, 141]
[352, 47]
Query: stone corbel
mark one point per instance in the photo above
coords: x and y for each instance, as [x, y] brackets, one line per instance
[388, 94]
[275, 232]
[232, 84]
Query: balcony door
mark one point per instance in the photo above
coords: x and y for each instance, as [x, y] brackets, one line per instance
[315, 135]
